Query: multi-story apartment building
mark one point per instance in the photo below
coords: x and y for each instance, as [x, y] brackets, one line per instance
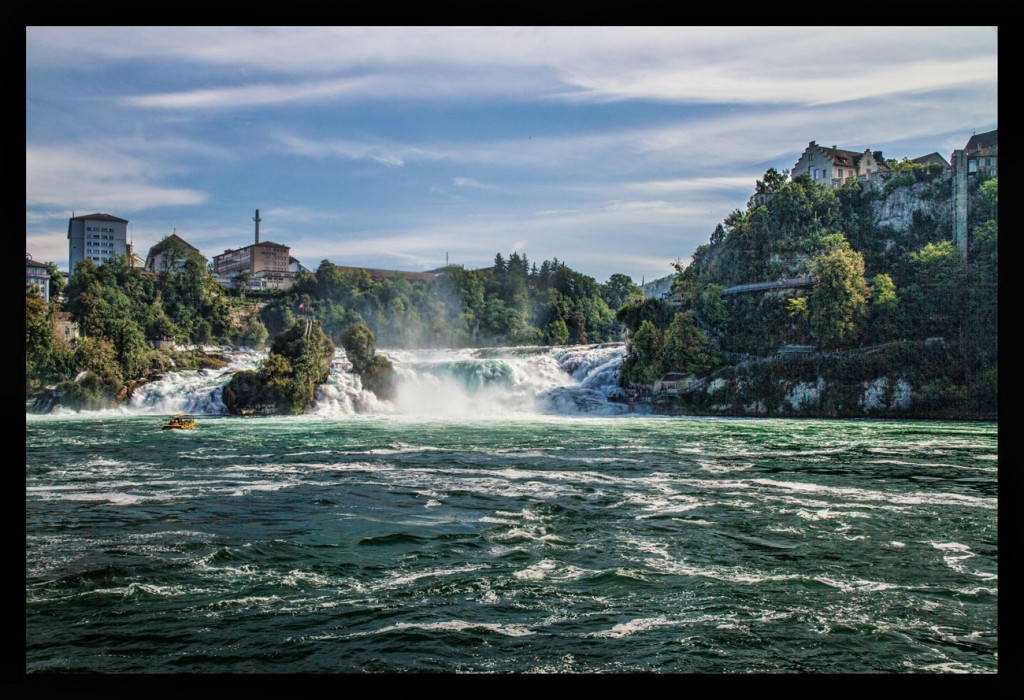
[98, 237]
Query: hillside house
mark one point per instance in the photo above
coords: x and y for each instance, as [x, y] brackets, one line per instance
[834, 166]
[931, 159]
[170, 255]
[982, 154]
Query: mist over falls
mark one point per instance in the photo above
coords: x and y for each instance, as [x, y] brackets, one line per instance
[431, 383]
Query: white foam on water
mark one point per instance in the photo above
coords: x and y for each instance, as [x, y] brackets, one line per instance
[455, 626]
[253, 601]
[859, 495]
[550, 569]
[954, 554]
[298, 579]
[405, 579]
[642, 624]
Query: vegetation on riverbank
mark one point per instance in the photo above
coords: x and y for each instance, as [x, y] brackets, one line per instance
[874, 286]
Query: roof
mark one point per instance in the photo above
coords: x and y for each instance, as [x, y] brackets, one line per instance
[983, 144]
[252, 245]
[929, 159]
[33, 263]
[159, 247]
[99, 217]
[377, 273]
[840, 156]
[673, 377]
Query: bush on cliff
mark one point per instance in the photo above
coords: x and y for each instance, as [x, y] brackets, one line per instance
[375, 371]
[299, 361]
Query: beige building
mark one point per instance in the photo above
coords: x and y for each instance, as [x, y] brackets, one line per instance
[264, 265]
[834, 166]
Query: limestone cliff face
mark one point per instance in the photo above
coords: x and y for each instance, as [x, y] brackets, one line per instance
[905, 206]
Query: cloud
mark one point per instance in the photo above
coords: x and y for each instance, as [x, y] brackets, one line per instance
[69, 177]
[470, 182]
[738, 65]
[251, 95]
[390, 155]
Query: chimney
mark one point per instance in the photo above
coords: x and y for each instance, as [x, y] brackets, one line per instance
[257, 220]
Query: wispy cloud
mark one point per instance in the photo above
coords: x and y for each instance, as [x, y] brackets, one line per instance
[393, 145]
[805, 65]
[251, 95]
[59, 177]
[391, 155]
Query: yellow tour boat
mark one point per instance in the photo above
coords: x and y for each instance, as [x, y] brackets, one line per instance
[181, 421]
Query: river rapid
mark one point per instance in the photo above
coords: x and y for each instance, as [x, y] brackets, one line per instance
[501, 516]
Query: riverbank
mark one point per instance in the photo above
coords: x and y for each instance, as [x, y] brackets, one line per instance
[907, 380]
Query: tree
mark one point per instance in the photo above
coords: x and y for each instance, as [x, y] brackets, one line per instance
[885, 307]
[58, 281]
[647, 345]
[500, 266]
[935, 295]
[838, 303]
[618, 290]
[375, 371]
[557, 332]
[687, 348]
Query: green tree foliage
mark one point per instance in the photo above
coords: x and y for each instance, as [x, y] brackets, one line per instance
[687, 348]
[643, 361]
[655, 311]
[935, 293]
[618, 290]
[557, 333]
[298, 362]
[837, 306]
[118, 309]
[58, 281]
[375, 371]
[513, 302]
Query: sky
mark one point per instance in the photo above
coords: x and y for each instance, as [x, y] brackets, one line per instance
[612, 149]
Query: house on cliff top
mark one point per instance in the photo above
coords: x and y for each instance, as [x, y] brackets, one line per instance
[981, 154]
[833, 166]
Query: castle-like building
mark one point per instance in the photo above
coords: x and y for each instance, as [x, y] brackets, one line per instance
[834, 166]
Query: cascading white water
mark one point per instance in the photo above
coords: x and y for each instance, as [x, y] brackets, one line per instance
[193, 391]
[467, 382]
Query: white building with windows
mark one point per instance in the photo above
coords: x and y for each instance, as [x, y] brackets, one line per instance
[38, 276]
[99, 237]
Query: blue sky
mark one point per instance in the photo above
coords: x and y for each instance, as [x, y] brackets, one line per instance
[613, 149]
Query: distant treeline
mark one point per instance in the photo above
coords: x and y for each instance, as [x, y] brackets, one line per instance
[121, 312]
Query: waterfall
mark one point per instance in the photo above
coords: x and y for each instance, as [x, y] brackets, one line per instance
[442, 383]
